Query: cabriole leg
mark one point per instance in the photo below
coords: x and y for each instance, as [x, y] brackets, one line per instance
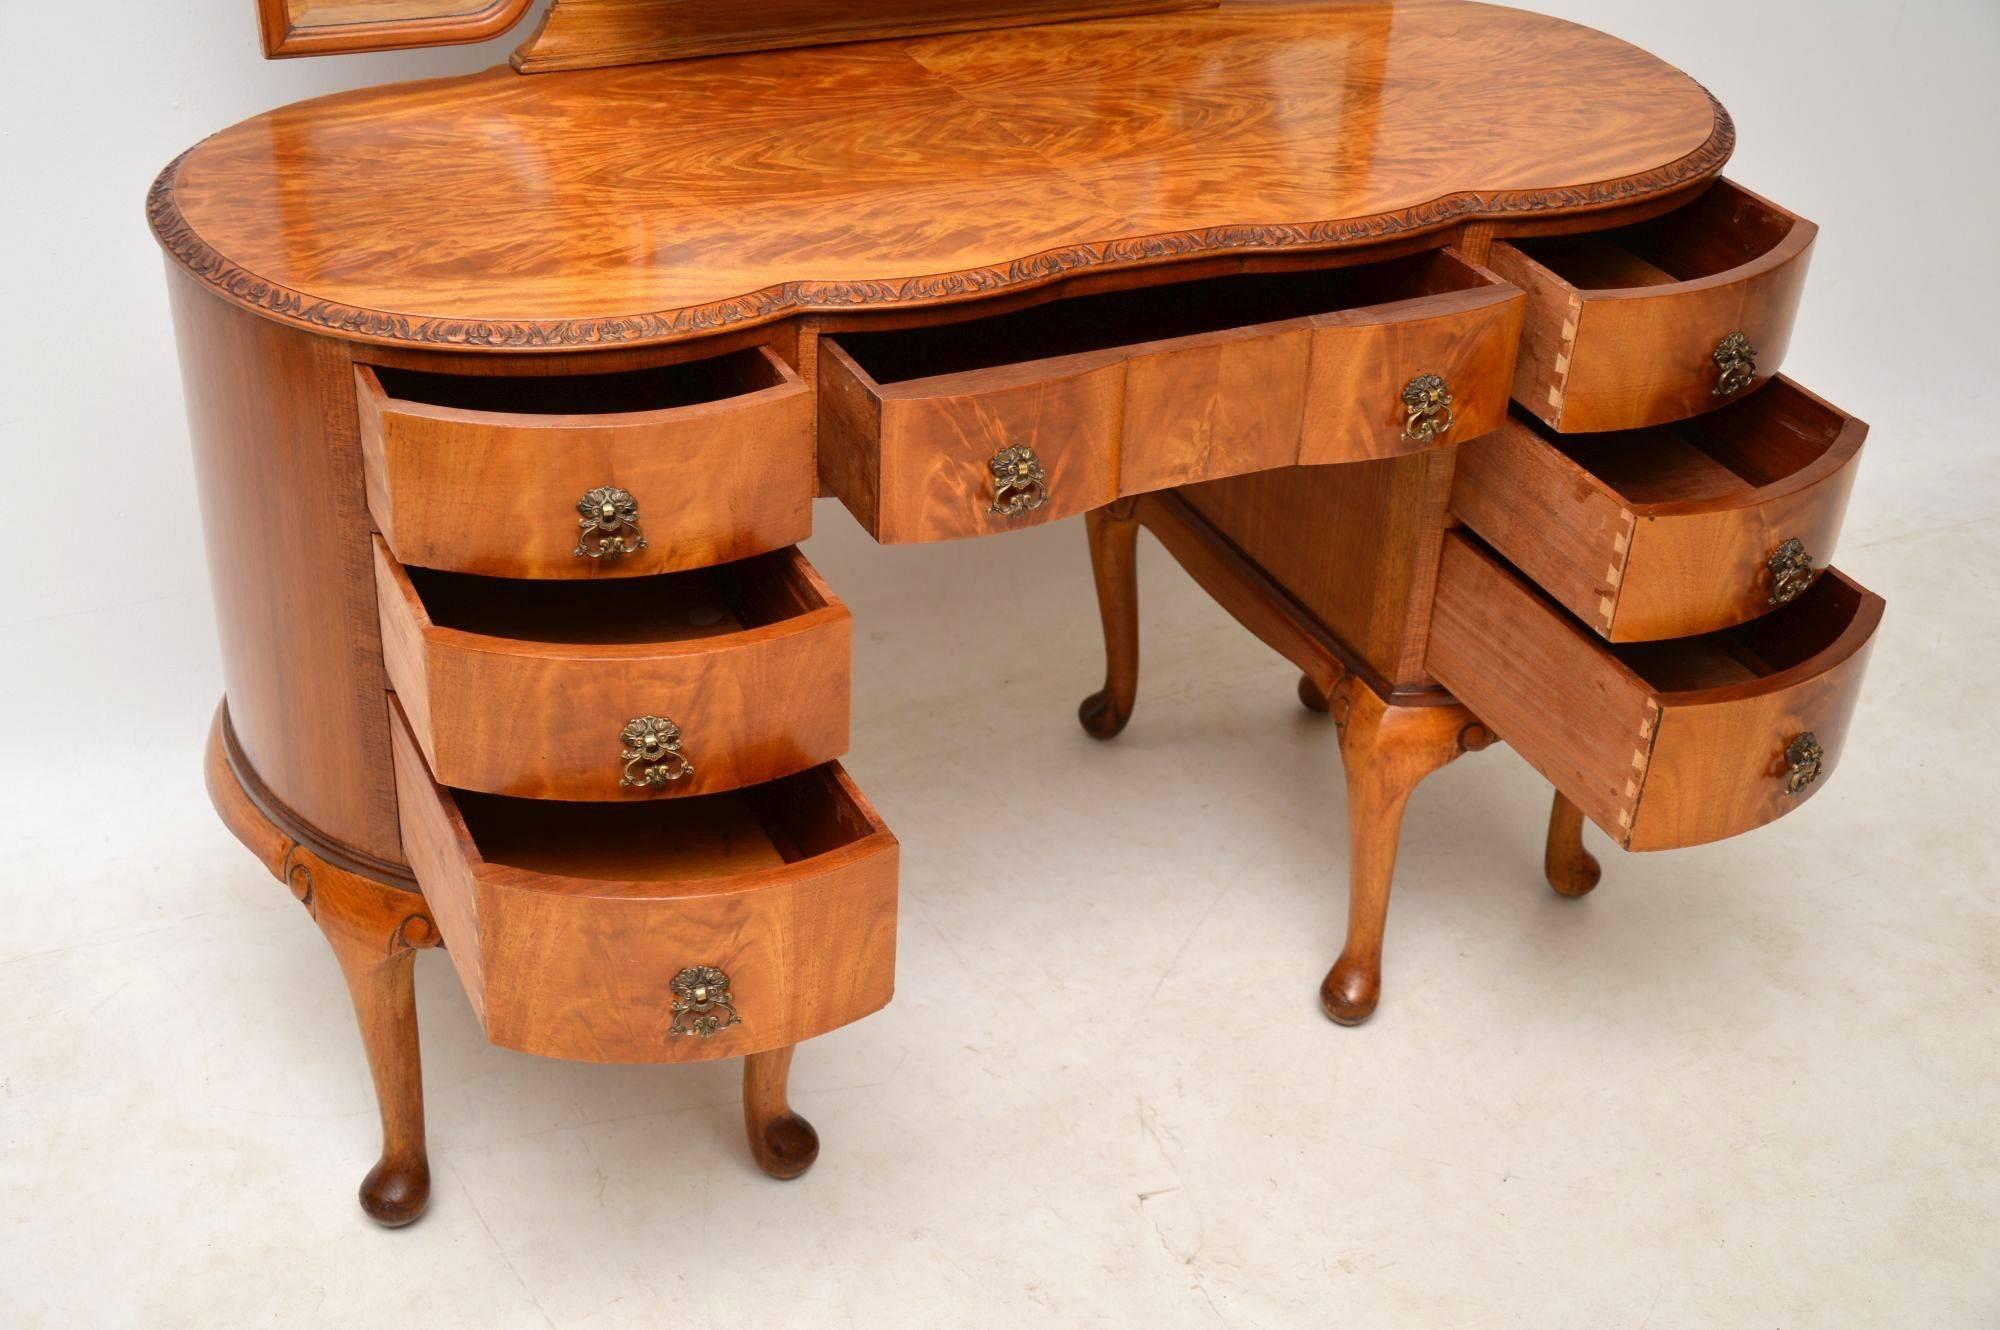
[1114, 541]
[1387, 750]
[785, 1144]
[375, 931]
[1571, 869]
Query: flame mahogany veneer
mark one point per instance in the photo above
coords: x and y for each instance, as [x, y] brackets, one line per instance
[1424, 336]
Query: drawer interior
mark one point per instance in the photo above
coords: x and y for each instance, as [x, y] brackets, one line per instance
[1723, 229]
[1771, 435]
[1151, 314]
[660, 388]
[1751, 652]
[656, 846]
[665, 607]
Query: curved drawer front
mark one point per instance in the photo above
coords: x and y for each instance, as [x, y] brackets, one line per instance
[684, 684]
[1671, 531]
[596, 475]
[965, 429]
[1663, 744]
[672, 932]
[1634, 327]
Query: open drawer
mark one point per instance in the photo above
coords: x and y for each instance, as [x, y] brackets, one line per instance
[657, 932]
[589, 475]
[1661, 320]
[1673, 530]
[967, 428]
[678, 684]
[1662, 744]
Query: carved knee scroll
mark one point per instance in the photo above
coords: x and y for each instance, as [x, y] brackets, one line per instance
[375, 932]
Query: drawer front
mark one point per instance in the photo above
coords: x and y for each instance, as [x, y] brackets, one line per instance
[1614, 340]
[508, 714]
[932, 448]
[503, 493]
[1669, 533]
[1664, 744]
[1357, 404]
[748, 956]
[1352, 365]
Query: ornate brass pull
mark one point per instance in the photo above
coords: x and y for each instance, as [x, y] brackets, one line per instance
[1791, 570]
[701, 1001]
[1427, 409]
[1804, 760]
[1737, 361]
[605, 515]
[652, 754]
[1019, 483]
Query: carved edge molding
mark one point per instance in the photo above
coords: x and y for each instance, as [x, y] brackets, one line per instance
[236, 283]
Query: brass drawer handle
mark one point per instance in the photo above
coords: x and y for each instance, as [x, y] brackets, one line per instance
[1791, 571]
[701, 1000]
[652, 754]
[1019, 483]
[605, 515]
[1427, 409]
[1736, 360]
[1804, 760]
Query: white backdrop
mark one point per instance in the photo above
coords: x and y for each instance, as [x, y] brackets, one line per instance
[1749, 1084]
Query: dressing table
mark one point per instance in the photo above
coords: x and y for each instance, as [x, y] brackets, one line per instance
[1427, 337]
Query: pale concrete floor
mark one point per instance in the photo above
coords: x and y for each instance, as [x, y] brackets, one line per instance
[1751, 1084]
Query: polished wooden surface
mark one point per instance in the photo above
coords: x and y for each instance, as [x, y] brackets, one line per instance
[568, 921]
[1623, 325]
[1386, 750]
[374, 932]
[278, 465]
[783, 1143]
[495, 491]
[1666, 532]
[1268, 370]
[1662, 744]
[1366, 570]
[524, 688]
[739, 189]
[1570, 869]
[585, 34]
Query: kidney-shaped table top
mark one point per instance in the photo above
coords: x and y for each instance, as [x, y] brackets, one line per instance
[662, 201]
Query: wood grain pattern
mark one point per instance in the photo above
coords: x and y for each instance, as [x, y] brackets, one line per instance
[278, 466]
[495, 491]
[1624, 324]
[915, 171]
[783, 1143]
[1665, 532]
[374, 931]
[588, 34]
[1362, 358]
[338, 27]
[1662, 744]
[1266, 370]
[1386, 751]
[1355, 545]
[581, 914]
[929, 478]
[522, 688]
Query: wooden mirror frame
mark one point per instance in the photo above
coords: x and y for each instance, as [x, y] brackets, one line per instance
[288, 29]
